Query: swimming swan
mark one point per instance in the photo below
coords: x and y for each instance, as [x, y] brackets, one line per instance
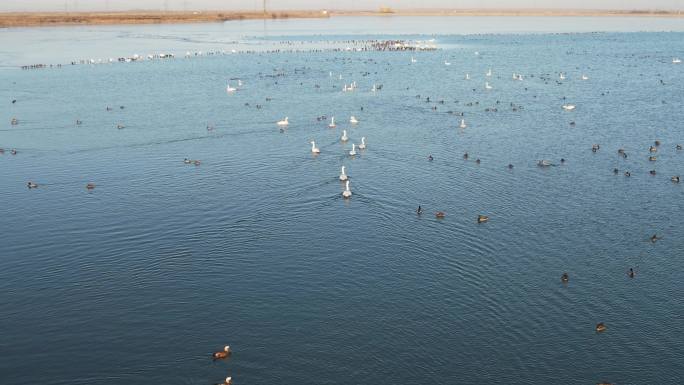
[343, 176]
[332, 123]
[344, 136]
[353, 120]
[353, 150]
[283, 122]
[314, 149]
[362, 146]
[463, 124]
[347, 192]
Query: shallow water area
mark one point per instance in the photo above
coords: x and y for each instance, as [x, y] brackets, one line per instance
[141, 278]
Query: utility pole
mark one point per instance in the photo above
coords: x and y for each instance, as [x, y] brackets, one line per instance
[264, 7]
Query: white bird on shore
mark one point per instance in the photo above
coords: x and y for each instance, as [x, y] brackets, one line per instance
[283, 122]
[230, 89]
[347, 192]
[487, 86]
[344, 136]
[353, 150]
[353, 120]
[314, 149]
[463, 124]
[362, 146]
[343, 176]
[332, 123]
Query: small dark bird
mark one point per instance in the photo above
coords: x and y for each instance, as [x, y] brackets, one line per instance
[565, 278]
[601, 327]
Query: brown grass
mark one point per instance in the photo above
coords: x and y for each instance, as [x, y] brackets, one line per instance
[26, 19]
[14, 19]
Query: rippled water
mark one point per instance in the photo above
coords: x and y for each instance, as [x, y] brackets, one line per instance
[140, 279]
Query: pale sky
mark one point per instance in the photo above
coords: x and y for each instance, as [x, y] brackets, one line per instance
[89, 5]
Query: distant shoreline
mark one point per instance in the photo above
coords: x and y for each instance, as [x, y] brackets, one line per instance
[41, 19]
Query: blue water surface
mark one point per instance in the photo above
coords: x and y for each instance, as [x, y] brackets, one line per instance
[140, 279]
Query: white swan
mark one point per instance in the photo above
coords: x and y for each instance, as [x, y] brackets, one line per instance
[229, 381]
[353, 120]
[463, 124]
[489, 72]
[374, 88]
[343, 176]
[230, 89]
[568, 107]
[332, 123]
[353, 150]
[283, 122]
[585, 77]
[446, 63]
[413, 60]
[314, 149]
[344, 136]
[676, 60]
[487, 86]
[239, 83]
[467, 77]
[362, 146]
[561, 76]
[347, 192]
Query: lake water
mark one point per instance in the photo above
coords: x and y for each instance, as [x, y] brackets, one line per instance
[140, 279]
